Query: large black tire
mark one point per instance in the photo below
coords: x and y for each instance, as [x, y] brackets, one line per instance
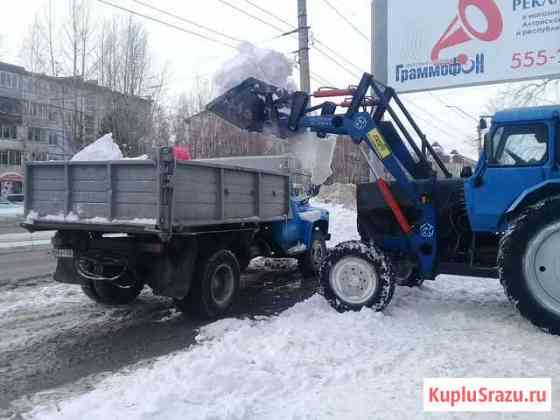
[362, 262]
[310, 261]
[214, 286]
[530, 279]
[123, 292]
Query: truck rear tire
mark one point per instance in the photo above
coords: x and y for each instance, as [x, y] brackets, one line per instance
[529, 266]
[355, 275]
[214, 287]
[310, 261]
[111, 293]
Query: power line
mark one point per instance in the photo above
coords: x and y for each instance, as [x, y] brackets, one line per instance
[256, 6]
[337, 54]
[348, 21]
[293, 31]
[250, 15]
[167, 24]
[335, 61]
[188, 21]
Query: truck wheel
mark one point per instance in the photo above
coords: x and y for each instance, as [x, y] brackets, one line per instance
[214, 287]
[529, 266]
[125, 291]
[354, 275]
[310, 260]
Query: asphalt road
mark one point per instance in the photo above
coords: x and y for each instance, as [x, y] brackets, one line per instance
[52, 335]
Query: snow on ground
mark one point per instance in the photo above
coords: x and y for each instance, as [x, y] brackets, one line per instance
[14, 240]
[10, 211]
[342, 222]
[312, 362]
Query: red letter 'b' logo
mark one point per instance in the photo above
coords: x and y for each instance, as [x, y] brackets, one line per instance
[461, 30]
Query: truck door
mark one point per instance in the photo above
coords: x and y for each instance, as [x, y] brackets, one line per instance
[518, 157]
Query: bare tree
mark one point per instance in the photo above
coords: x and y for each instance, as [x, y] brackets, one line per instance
[33, 50]
[525, 94]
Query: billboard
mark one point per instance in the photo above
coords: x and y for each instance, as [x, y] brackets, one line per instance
[435, 44]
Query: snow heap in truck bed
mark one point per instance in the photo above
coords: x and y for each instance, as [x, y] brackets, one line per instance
[103, 148]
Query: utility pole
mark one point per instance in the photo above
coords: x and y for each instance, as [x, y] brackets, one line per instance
[303, 51]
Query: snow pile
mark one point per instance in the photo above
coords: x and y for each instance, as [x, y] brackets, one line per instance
[10, 211]
[343, 225]
[312, 362]
[264, 64]
[103, 148]
[344, 194]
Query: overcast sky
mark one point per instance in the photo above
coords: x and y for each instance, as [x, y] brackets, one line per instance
[188, 57]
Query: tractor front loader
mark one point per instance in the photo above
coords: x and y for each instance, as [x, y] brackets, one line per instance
[500, 220]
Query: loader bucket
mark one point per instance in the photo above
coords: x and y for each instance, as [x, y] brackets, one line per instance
[257, 106]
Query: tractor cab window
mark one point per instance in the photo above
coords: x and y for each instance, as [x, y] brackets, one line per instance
[522, 145]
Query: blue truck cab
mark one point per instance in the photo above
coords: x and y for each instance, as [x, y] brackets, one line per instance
[303, 236]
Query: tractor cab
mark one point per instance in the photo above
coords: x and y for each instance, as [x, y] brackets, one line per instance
[520, 162]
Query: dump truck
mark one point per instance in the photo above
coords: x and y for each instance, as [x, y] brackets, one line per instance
[500, 219]
[186, 229]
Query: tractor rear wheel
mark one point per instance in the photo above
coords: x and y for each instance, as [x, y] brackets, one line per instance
[354, 275]
[529, 264]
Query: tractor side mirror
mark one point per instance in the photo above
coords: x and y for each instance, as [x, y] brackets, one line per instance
[482, 124]
[466, 172]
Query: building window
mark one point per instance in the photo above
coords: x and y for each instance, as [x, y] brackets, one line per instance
[8, 80]
[54, 138]
[10, 157]
[36, 134]
[8, 132]
[15, 157]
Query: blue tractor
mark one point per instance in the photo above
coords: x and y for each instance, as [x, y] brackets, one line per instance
[501, 219]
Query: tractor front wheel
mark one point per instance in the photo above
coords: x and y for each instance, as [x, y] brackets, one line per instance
[529, 266]
[354, 275]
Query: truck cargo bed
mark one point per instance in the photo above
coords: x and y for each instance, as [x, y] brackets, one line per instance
[159, 196]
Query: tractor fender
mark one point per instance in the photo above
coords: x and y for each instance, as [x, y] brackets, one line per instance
[545, 189]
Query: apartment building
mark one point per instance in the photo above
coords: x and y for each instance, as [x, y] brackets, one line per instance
[42, 116]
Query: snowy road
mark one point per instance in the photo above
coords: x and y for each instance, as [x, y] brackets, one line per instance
[51, 334]
[62, 356]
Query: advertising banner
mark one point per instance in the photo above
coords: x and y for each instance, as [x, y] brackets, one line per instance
[434, 44]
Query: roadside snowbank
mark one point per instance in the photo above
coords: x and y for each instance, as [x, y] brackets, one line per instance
[9, 211]
[342, 222]
[337, 193]
[312, 362]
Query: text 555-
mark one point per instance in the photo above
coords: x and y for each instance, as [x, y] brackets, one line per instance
[534, 58]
